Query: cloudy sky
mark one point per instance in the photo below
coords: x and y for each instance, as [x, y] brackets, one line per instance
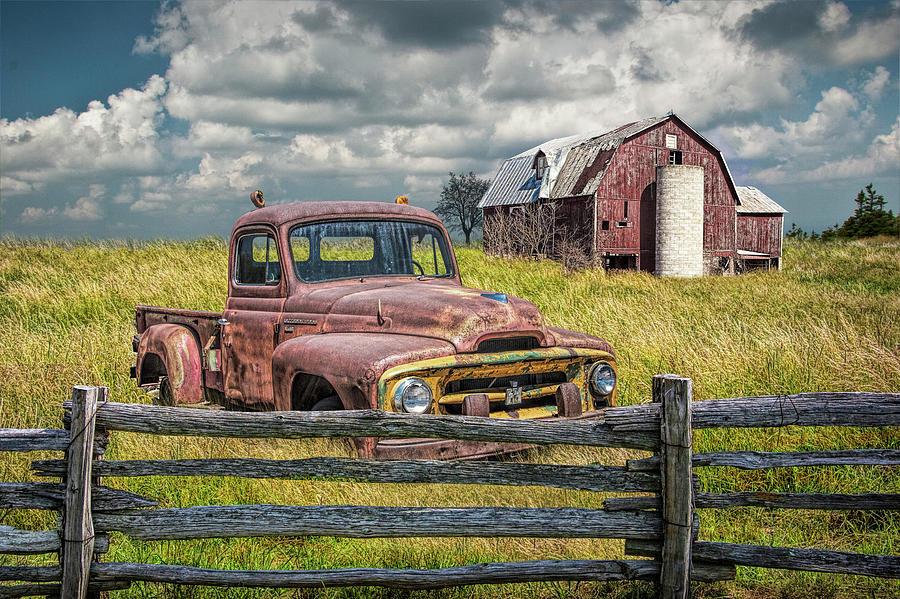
[141, 119]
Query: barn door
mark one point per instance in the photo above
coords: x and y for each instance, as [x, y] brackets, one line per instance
[648, 228]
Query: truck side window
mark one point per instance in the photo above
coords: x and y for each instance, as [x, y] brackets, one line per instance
[257, 260]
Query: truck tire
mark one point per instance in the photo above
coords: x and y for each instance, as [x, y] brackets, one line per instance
[165, 397]
[328, 404]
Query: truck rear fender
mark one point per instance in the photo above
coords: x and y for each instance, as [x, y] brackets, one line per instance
[350, 362]
[176, 348]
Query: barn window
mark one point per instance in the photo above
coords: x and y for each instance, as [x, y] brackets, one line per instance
[605, 225]
[675, 157]
[540, 165]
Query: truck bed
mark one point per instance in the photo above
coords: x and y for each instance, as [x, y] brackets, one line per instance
[202, 322]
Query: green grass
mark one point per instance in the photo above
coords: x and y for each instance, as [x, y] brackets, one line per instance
[829, 321]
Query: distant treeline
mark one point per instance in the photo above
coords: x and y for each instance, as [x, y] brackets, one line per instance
[870, 219]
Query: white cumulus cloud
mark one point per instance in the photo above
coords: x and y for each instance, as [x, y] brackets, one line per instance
[119, 136]
[87, 207]
[32, 214]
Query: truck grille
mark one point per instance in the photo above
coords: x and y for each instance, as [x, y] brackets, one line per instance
[503, 344]
[504, 382]
[455, 409]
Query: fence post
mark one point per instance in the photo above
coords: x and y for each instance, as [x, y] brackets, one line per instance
[674, 395]
[78, 525]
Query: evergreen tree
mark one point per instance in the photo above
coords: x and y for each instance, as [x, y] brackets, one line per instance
[869, 219]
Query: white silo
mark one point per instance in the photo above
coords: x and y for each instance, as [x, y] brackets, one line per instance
[679, 220]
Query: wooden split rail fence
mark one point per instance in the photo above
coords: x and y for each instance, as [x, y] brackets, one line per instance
[661, 524]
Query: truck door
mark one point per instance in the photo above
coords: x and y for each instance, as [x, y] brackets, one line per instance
[257, 289]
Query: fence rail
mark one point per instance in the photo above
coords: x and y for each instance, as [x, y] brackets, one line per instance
[662, 525]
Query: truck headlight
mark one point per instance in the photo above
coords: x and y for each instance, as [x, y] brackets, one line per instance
[602, 379]
[413, 395]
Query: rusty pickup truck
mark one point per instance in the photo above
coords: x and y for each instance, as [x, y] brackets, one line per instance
[360, 305]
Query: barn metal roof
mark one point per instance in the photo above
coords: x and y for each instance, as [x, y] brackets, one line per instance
[513, 184]
[577, 164]
[753, 201]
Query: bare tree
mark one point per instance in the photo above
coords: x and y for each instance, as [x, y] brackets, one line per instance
[458, 206]
[533, 231]
[525, 230]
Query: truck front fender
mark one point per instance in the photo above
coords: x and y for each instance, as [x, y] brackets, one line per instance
[350, 362]
[566, 338]
[174, 347]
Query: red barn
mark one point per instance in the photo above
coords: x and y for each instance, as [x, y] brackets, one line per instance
[653, 195]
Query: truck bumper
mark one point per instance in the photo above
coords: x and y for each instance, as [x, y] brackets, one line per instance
[452, 449]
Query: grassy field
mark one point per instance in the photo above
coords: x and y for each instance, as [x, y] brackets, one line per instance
[829, 321]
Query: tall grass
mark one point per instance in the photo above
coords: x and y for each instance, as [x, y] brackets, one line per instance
[829, 321]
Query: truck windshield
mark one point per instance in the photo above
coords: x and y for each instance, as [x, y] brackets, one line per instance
[344, 249]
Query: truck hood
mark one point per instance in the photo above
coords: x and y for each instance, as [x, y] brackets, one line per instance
[430, 308]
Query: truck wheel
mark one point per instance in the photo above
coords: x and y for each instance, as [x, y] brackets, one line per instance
[165, 397]
[329, 404]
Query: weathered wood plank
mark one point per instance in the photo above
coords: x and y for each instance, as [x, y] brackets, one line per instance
[163, 420]
[588, 478]
[620, 504]
[53, 589]
[28, 590]
[790, 558]
[31, 573]
[650, 464]
[614, 427]
[674, 394]
[26, 542]
[800, 501]
[50, 496]
[78, 528]
[31, 496]
[486, 573]
[369, 522]
[31, 542]
[701, 570]
[796, 501]
[33, 439]
[805, 409]
[759, 460]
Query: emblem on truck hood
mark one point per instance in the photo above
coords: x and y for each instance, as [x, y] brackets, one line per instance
[500, 297]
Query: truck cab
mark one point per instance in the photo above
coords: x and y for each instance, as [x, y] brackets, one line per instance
[360, 305]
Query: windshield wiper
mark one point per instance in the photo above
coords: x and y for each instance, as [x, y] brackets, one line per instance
[446, 275]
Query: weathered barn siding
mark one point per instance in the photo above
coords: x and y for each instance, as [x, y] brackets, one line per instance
[488, 232]
[631, 177]
[760, 233]
[760, 226]
[574, 220]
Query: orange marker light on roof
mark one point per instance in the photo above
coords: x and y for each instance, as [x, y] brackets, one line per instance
[402, 200]
[257, 198]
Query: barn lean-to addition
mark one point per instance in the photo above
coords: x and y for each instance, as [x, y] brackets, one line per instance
[652, 195]
[760, 229]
